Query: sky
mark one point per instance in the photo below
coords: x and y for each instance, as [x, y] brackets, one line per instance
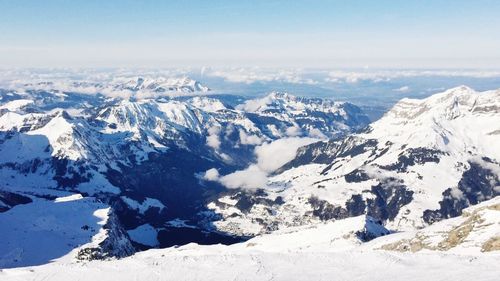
[272, 33]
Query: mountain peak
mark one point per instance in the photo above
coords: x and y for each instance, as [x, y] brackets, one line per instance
[450, 104]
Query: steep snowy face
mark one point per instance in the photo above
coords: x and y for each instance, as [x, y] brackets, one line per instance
[307, 116]
[156, 123]
[424, 161]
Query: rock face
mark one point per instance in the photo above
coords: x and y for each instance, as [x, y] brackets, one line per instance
[424, 161]
[116, 242]
[142, 156]
[10, 199]
[476, 230]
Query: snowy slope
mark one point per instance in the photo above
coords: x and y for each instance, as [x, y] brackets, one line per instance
[327, 251]
[130, 170]
[424, 161]
[140, 155]
[477, 230]
[44, 230]
[214, 264]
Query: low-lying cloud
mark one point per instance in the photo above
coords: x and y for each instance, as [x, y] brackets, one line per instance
[270, 157]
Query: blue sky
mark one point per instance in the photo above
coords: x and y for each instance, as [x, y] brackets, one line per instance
[433, 33]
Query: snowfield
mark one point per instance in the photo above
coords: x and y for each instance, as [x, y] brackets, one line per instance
[224, 263]
[328, 251]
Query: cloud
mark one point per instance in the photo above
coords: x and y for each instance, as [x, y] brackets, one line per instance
[213, 140]
[316, 133]
[270, 157]
[249, 139]
[352, 77]
[293, 131]
[403, 89]
[250, 178]
[255, 105]
[91, 82]
[253, 75]
[211, 175]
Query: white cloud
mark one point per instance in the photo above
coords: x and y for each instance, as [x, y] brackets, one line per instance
[213, 140]
[493, 167]
[249, 139]
[387, 75]
[252, 75]
[274, 130]
[211, 175]
[293, 131]
[271, 156]
[316, 133]
[250, 178]
[403, 89]
[255, 105]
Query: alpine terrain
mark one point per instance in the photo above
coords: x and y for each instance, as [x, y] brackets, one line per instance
[162, 178]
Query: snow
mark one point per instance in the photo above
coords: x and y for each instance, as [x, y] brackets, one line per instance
[98, 184]
[144, 234]
[15, 104]
[44, 230]
[179, 223]
[458, 122]
[328, 251]
[476, 225]
[144, 206]
[72, 197]
[125, 86]
[210, 264]
[207, 104]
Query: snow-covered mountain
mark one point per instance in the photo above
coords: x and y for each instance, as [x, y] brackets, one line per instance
[424, 161]
[89, 178]
[142, 158]
[135, 86]
[305, 116]
[159, 85]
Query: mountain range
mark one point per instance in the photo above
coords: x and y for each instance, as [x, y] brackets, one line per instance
[101, 170]
[143, 158]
